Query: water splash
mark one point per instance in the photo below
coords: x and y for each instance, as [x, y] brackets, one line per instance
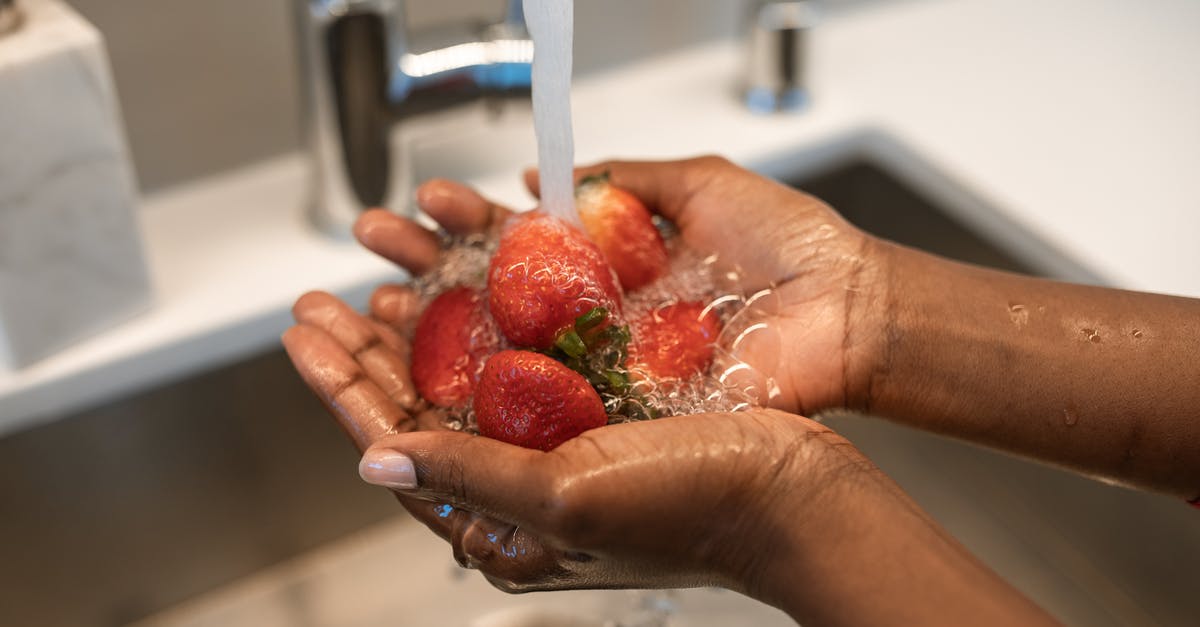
[730, 385]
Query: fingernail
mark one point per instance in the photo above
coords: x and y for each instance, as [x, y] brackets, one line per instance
[387, 468]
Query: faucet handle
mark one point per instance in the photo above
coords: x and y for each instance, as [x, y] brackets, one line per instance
[776, 77]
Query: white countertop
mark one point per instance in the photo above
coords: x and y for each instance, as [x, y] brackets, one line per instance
[1069, 133]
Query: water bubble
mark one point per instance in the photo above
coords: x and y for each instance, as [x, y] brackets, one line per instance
[1070, 418]
[731, 384]
[1137, 333]
[463, 262]
[1092, 335]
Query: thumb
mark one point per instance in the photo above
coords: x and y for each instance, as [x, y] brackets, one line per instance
[479, 474]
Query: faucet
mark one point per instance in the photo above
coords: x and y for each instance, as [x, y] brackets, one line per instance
[366, 75]
[776, 78]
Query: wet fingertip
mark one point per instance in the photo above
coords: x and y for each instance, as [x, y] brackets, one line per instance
[288, 338]
[366, 226]
[309, 301]
[530, 176]
[440, 197]
[392, 304]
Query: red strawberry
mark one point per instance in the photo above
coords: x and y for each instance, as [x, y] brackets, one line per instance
[674, 341]
[544, 275]
[453, 338]
[530, 400]
[621, 226]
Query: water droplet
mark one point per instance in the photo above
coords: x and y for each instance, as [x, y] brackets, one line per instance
[1137, 333]
[1070, 418]
[1018, 314]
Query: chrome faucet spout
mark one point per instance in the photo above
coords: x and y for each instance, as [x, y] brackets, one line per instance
[366, 74]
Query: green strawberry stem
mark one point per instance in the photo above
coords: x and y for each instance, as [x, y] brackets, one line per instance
[592, 179]
[595, 317]
[597, 350]
[570, 343]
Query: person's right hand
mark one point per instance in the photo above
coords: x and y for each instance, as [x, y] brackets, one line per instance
[823, 328]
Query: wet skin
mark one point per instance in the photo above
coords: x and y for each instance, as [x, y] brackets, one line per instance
[767, 502]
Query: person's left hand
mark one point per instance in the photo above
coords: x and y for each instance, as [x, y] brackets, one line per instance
[359, 365]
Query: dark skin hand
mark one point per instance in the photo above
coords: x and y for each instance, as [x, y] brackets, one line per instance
[763, 502]
[1101, 381]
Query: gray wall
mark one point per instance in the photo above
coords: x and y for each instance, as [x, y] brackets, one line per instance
[208, 86]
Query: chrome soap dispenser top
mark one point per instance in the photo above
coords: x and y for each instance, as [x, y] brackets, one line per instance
[366, 73]
[778, 54]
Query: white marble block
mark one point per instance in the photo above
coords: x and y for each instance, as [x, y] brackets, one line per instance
[71, 260]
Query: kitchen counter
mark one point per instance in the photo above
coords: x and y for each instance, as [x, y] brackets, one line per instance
[1068, 134]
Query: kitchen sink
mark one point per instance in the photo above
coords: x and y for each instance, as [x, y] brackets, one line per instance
[230, 499]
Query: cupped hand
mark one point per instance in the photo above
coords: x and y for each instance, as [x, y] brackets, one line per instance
[818, 332]
[677, 502]
[358, 365]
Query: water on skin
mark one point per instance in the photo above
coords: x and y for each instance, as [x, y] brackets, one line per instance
[551, 25]
[1019, 314]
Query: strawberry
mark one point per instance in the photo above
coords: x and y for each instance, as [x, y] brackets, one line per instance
[544, 275]
[452, 340]
[674, 341]
[621, 226]
[531, 400]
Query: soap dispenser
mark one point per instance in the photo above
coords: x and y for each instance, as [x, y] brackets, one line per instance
[71, 259]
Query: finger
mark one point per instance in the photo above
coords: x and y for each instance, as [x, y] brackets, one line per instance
[363, 410]
[392, 338]
[440, 518]
[399, 240]
[458, 208]
[469, 530]
[395, 305]
[665, 186]
[483, 475]
[361, 339]
[509, 557]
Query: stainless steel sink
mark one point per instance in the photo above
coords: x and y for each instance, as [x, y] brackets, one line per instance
[119, 512]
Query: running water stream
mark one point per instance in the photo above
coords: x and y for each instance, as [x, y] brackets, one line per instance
[551, 25]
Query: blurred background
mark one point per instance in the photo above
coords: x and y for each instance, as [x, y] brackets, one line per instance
[222, 493]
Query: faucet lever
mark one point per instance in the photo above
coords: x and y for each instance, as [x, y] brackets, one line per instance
[366, 75]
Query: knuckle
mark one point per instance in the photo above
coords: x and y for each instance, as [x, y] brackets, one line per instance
[713, 161]
[449, 476]
[568, 513]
